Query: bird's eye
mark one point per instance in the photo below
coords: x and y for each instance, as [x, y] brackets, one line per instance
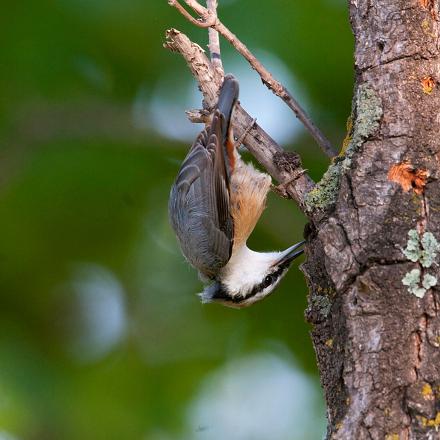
[267, 281]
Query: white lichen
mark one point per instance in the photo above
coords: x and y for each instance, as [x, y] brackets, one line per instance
[430, 248]
[424, 251]
[412, 280]
[429, 281]
[413, 251]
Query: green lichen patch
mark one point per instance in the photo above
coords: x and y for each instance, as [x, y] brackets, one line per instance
[367, 111]
[325, 191]
[322, 303]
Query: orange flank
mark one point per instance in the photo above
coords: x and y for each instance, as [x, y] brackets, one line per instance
[230, 151]
[249, 189]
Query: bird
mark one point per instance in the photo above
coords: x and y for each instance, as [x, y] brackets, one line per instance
[215, 203]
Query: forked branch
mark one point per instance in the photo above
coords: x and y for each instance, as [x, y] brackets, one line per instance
[285, 167]
[208, 19]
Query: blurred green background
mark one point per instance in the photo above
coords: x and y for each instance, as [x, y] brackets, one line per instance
[101, 333]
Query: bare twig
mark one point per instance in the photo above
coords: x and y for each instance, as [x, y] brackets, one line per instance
[214, 40]
[208, 19]
[203, 24]
[283, 166]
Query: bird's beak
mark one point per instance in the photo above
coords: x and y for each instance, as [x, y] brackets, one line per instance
[290, 254]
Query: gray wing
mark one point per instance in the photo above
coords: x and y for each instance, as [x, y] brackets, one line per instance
[199, 203]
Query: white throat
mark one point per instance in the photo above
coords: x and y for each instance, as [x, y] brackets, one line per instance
[246, 268]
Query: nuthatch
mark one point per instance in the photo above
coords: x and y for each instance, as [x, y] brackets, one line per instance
[214, 206]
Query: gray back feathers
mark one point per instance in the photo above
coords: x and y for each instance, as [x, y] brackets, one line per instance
[199, 200]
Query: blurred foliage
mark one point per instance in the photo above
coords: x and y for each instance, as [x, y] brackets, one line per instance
[101, 335]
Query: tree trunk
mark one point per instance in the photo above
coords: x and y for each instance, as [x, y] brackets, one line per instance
[372, 303]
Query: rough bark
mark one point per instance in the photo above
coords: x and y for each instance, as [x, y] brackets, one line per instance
[377, 342]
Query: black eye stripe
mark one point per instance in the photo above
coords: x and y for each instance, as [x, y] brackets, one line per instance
[273, 277]
[221, 292]
[263, 285]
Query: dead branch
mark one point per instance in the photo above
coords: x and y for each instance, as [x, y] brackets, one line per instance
[208, 18]
[283, 166]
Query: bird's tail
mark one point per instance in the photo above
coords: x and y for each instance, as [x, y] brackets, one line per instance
[226, 100]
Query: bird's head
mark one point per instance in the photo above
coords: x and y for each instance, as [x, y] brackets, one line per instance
[250, 276]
